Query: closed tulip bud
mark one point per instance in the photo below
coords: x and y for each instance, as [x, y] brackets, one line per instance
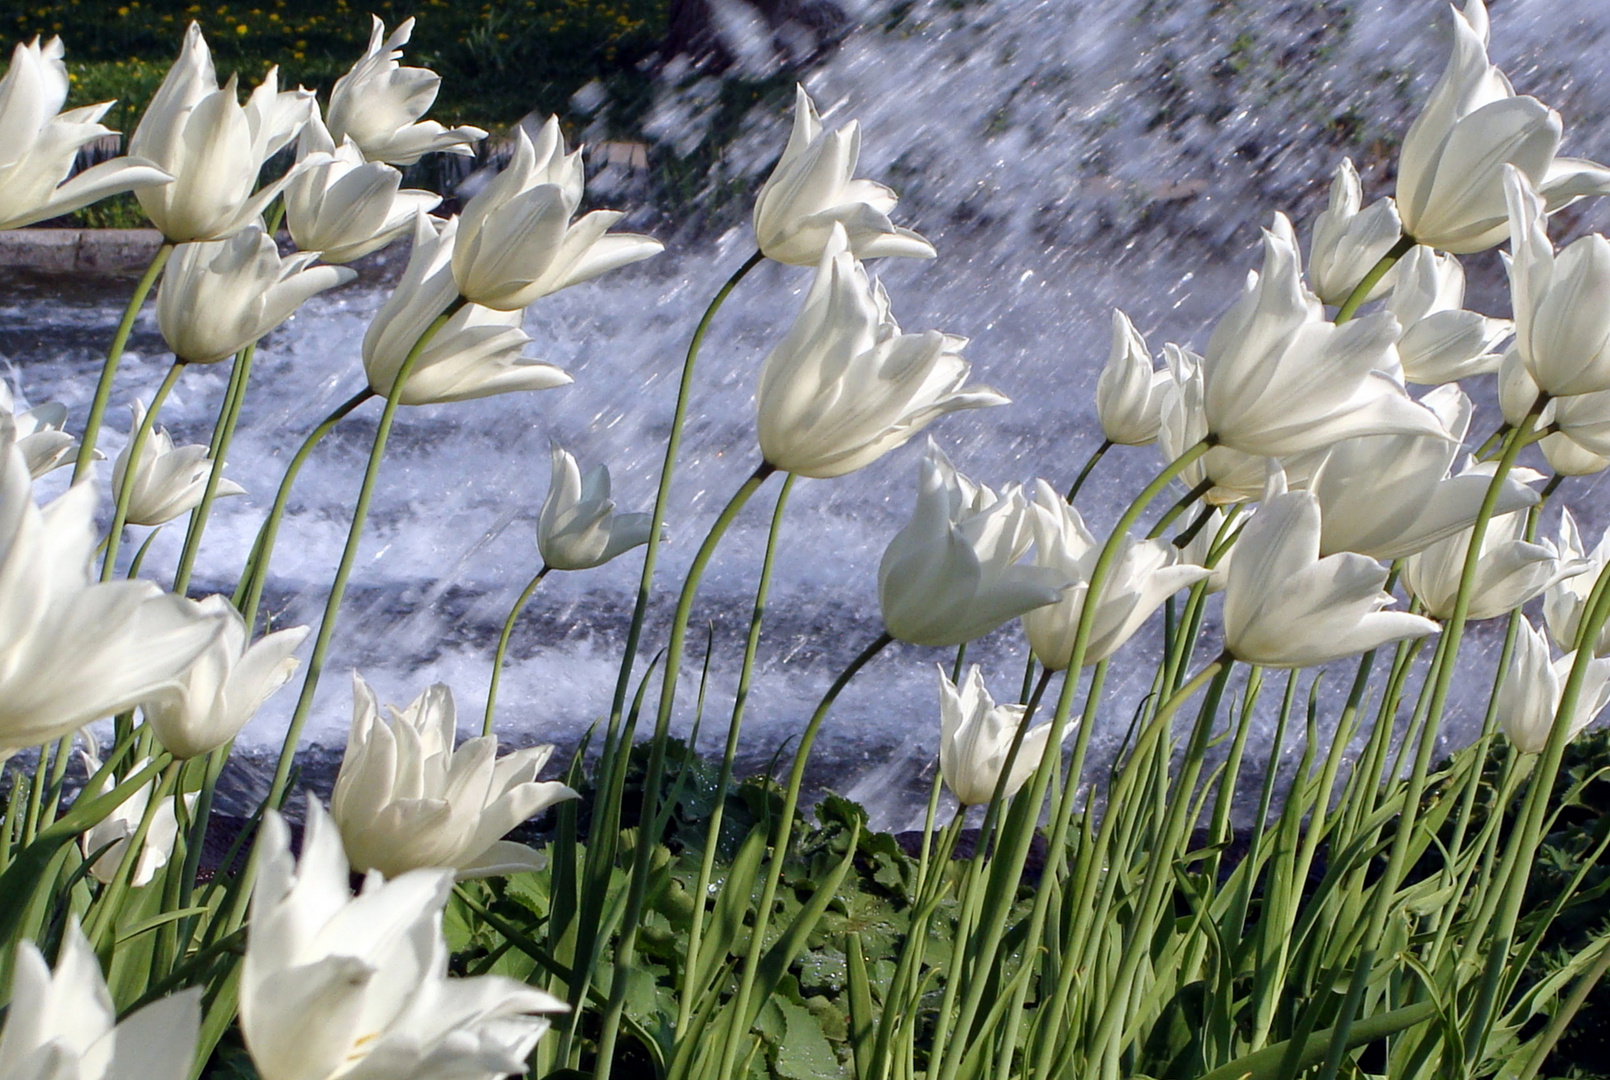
[845, 386]
[378, 104]
[1286, 607]
[342, 206]
[975, 737]
[212, 146]
[1441, 341]
[73, 650]
[113, 833]
[1129, 394]
[405, 799]
[1278, 379]
[225, 686]
[38, 434]
[1529, 700]
[334, 985]
[1146, 573]
[1510, 570]
[39, 143]
[578, 528]
[1387, 496]
[168, 480]
[63, 1024]
[1474, 125]
[952, 574]
[812, 189]
[218, 297]
[516, 243]
[1347, 242]
[1566, 600]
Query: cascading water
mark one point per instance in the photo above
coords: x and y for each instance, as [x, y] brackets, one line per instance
[1063, 158]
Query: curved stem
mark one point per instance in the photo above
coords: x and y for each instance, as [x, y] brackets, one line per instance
[131, 469]
[223, 433]
[779, 852]
[1089, 467]
[349, 556]
[503, 647]
[120, 340]
[249, 593]
[1362, 290]
[1184, 504]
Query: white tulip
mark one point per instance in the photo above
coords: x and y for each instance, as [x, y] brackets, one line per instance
[1529, 700]
[1580, 441]
[812, 189]
[975, 736]
[578, 528]
[1237, 476]
[39, 143]
[342, 206]
[1473, 126]
[63, 1025]
[225, 687]
[845, 386]
[1145, 573]
[951, 575]
[1566, 600]
[169, 480]
[334, 985]
[1129, 393]
[212, 146]
[405, 799]
[220, 296]
[516, 242]
[117, 829]
[73, 650]
[1441, 341]
[1286, 607]
[378, 104]
[1347, 242]
[38, 433]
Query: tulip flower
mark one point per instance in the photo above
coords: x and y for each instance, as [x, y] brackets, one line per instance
[342, 206]
[1146, 573]
[39, 143]
[1509, 572]
[1441, 341]
[405, 799]
[218, 297]
[378, 104]
[1129, 394]
[516, 243]
[975, 736]
[1278, 379]
[212, 146]
[169, 480]
[1579, 441]
[225, 687]
[1347, 242]
[1286, 607]
[477, 352]
[951, 574]
[1237, 476]
[117, 829]
[339, 986]
[38, 433]
[845, 386]
[811, 190]
[1566, 600]
[63, 1024]
[1387, 496]
[1563, 342]
[1199, 549]
[1528, 702]
[72, 650]
[578, 528]
[1474, 125]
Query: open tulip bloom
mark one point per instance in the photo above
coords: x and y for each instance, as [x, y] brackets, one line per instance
[342, 206]
[112, 834]
[1129, 392]
[578, 528]
[1528, 704]
[38, 433]
[1441, 341]
[975, 737]
[1347, 242]
[168, 480]
[1566, 600]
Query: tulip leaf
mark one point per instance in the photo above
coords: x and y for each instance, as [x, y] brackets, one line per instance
[1265, 1064]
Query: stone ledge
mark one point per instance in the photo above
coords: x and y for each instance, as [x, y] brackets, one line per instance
[92, 251]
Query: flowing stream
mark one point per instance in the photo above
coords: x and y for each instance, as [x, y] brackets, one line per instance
[1064, 158]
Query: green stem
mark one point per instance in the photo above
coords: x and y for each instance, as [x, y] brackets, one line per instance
[103, 389]
[1566, 1013]
[1089, 467]
[1362, 290]
[132, 468]
[223, 433]
[503, 647]
[349, 556]
[1183, 504]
